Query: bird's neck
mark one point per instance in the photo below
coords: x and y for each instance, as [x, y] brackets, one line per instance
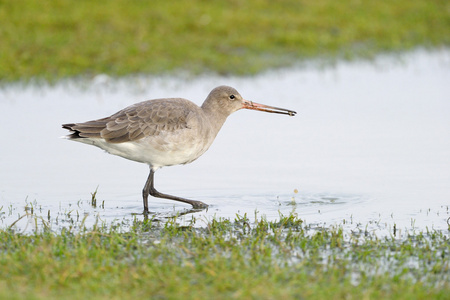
[215, 115]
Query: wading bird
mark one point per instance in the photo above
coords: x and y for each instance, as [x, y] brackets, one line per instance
[165, 132]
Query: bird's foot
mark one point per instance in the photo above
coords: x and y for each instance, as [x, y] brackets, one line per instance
[198, 204]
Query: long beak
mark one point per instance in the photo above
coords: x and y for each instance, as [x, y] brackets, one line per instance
[271, 109]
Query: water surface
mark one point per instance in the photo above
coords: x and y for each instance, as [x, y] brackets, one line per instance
[370, 144]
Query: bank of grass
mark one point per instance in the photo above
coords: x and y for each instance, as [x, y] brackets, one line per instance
[60, 38]
[226, 259]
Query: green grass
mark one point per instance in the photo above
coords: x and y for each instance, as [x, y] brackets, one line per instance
[226, 259]
[62, 38]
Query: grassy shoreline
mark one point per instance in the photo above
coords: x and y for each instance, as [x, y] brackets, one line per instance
[60, 39]
[225, 259]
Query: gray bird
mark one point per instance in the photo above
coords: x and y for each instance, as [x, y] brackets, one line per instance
[165, 132]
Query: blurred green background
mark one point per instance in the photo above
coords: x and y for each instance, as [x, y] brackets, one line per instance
[64, 38]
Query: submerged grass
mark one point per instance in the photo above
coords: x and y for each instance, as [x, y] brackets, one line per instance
[54, 39]
[225, 259]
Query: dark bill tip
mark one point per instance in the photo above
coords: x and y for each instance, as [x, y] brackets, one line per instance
[267, 108]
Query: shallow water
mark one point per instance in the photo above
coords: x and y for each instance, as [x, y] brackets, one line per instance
[370, 145]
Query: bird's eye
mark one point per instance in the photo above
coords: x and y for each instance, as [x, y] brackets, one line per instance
[232, 97]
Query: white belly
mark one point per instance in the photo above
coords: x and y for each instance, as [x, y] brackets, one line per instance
[158, 151]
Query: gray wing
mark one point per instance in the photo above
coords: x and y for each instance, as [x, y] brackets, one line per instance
[148, 118]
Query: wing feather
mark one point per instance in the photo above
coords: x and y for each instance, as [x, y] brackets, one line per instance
[144, 119]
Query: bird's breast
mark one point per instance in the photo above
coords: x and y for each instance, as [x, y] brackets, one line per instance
[168, 148]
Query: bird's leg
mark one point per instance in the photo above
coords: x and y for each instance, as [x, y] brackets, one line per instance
[146, 190]
[150, 189]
